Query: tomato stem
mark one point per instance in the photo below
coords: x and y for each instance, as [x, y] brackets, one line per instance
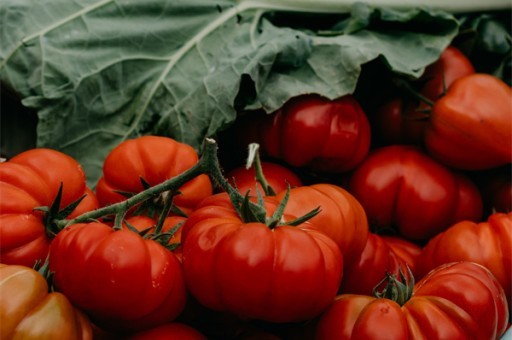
[254, 160]
[207, 164]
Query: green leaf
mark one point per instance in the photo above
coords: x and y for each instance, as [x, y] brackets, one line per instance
[101, 71]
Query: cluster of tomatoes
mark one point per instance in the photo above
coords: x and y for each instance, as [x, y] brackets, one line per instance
[332, 236]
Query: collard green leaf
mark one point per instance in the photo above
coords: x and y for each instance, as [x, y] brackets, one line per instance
[100, 72]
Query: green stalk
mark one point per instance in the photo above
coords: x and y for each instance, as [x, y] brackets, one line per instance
[207, 164]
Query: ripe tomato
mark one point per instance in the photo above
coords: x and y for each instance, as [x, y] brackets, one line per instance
[399, 186]
[400, 120]
[471, 126]
[377, 259]
[279, 274]
[173, 330]
[455, 301]
[312, 132]
[488, 243]
[277, 176]
[341, 216]
[407, 251]
[151, 159]
[28, 311]
[29, 180]
[122, 281]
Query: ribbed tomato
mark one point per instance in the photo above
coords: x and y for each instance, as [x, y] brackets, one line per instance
[277, 273]
[29, 311]
[150, 160]
[32, 180]
[121, 280]
[488, 243]
[461, 300]
[401, 187]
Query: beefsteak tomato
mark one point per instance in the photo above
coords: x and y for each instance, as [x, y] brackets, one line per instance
[150, 160]
[400, 186]
[460, 300]
[470, 127]
[29, 311]
[488, 243]
[274, 273]
[30, 180]
[122, 281]
[400, 120]
[309, 131]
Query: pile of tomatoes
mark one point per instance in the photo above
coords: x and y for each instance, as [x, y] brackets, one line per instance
[392, 223]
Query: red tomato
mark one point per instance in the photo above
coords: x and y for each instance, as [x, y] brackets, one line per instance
[401, 121]
[28, 311]
[455, 301]
[153, 159]
[378, 258]
[323, 135]
[29, 180]
[341, 217]
[122, 281]
[407, 251]
[176, 330]
[401, 187]
[471, 126]
[279, 274]
[277, 176]
[487, 243]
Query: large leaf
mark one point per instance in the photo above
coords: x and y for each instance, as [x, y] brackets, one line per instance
[99, 72]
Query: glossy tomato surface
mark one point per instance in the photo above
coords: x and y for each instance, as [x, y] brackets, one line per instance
[122, 281]
[459, 300]
[32, 180]
[402, 188]
[29, 311]
[471, 126]
[279, 274]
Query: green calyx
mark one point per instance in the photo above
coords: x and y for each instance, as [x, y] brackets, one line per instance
[394, 289]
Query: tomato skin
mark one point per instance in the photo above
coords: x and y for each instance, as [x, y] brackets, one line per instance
[277, 176]
[407, 251]
[173, 330]
[285, 274]
[488, 243]
[401, 187]
[313, 132]
[155, 159]
[28, 311]
[342, 217]
[400, 120]
[455, 301]
[30, 180]
[122, 281]
[377, 259]
[466, 124]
